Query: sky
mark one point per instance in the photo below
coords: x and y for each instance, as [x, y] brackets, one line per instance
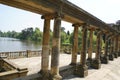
[17, 19]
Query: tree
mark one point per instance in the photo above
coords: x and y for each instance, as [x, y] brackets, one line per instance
[68, 33]
[37, 35]
[63, 35]
[1, 33]
[26, 34]
[79, 37]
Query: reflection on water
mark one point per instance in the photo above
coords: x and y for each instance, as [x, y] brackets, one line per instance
[12, 44]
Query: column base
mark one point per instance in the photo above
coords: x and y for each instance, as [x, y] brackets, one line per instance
[81, 70]
[55, 77]
[45, 75]
[96, 64]
[89, 62]
[73, 64]
[116, 55]
[111, 57]
[104, 60]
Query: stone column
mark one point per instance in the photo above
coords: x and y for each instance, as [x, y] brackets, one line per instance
[115, 47]
[111, 55]
[105, 57]
[116, 50]
[75, 45]
[96, 62]
[56, 49]
[90, 49]
[82, 69]
[119, 46]
[45, 48]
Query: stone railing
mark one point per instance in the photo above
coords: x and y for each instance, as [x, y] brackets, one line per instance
[10, 70]
[20, 54]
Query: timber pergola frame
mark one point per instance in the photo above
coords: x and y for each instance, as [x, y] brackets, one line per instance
[64, 10]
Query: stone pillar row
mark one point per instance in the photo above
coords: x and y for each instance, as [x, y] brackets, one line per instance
[81, 69]
[54, 70]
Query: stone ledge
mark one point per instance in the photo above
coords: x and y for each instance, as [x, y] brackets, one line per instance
[12, 71]
[66, 71]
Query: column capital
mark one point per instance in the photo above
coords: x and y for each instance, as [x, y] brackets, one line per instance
[47, 16]
[84, 25]
[52, 16]
[80, 24]
[91, 29]
[76, 25]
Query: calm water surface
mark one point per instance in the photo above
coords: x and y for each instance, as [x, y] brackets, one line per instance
[12, 44]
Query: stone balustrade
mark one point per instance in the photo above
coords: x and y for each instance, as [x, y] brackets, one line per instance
[10, 71]
[20, 54]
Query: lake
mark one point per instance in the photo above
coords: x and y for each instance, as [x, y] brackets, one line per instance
[12, 44]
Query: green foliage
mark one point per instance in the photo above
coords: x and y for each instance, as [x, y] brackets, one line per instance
[32, 35]
[79, 38]
[11, 34]
[64, 36]
[37, 35]
[26, 34]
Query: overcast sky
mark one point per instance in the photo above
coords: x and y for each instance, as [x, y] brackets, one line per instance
[17, 19]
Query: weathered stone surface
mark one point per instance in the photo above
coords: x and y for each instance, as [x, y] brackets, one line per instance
[81, 70]
[56, 49]
[84, 45]
[89, 62]
[75, 45]
[45, 46]
[115, 55]
[96, 64]
[119, 54]
[111, 57]
[90, 50]
[104, 59]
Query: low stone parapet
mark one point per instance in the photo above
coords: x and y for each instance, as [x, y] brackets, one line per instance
[11, 70]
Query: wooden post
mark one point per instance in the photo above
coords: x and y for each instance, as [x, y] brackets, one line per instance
[82, 69]
[75, 45]
[96, 62]
[56, 49]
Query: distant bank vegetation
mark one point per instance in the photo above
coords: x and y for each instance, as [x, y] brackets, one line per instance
[36, 35]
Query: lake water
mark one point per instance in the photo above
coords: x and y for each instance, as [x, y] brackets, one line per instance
[12, 44]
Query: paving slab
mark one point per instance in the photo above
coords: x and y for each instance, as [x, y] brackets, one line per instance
[110, 71]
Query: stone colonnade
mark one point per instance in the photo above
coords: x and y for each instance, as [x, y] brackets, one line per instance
[112, 48]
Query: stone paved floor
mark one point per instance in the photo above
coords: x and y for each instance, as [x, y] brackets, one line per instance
[109, 71]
